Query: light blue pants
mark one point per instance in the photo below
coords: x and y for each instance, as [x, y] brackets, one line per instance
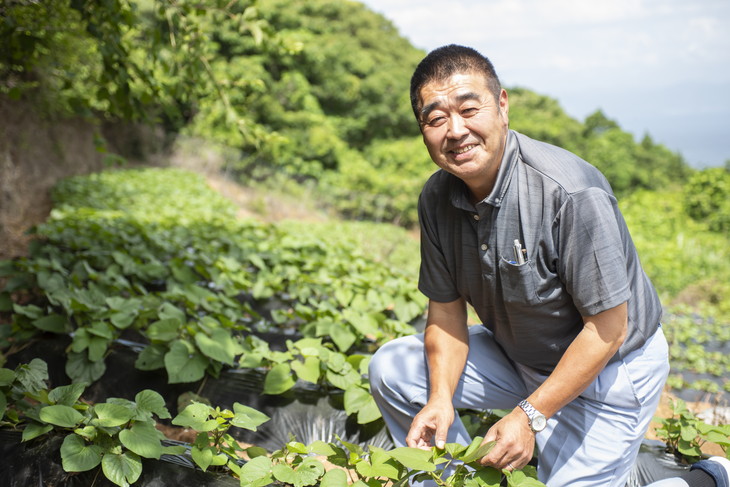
[592, 441]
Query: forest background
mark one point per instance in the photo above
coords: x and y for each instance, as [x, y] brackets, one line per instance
[307, 103]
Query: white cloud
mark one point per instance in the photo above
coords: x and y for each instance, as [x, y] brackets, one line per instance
[642, 61]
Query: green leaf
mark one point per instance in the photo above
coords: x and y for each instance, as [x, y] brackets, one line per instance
[31, 311]
[306, 473]
[488, 477]
[342, 336]
[257, 472]
[202, 457]
[342, 381]
[380, 465]
[122, 469]
[366, 324]
[309, 370]
[7, 377]
[97, 348]
[151, 401]
[219, 346]
[76, 456]
[356, 398]
[152, 357]
[164, 330]
[454, 449]
[319, 447]
[34, 430]
[184, 364]
[247, 417]
[143, 439]
[520, 479]
[476, 450]
[414, 458]
[196, 416]
[169, 311]
[110, 415]
[334, 478]
[688, 433]
[32, 376]
[278, 379]
[123, 319]
[80, 369]
[60, 415]
[53, 323]
[67, 395]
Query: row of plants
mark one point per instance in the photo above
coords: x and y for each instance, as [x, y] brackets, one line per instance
[156, 256]
[117, 434]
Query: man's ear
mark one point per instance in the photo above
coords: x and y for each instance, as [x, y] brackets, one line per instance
[504, 105]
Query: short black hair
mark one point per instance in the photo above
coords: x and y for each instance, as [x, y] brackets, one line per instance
[443, 62]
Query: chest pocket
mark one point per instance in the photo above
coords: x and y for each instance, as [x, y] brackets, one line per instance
[518, 282]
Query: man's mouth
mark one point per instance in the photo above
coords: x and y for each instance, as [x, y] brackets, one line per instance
[461, 150]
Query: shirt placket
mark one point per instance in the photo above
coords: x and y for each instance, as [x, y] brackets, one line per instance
[486, 238]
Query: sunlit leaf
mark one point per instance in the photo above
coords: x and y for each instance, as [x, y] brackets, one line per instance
[123, 469]
[60, 415]
[278, 379]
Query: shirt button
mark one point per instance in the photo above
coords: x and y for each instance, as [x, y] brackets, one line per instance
[476, 217]
[485, 246]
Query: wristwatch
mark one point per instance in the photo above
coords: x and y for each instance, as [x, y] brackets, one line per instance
[535, 418]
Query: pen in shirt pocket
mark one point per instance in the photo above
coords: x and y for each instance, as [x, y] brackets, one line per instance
[519, 252]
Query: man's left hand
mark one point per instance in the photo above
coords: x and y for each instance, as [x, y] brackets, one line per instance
[515, 442]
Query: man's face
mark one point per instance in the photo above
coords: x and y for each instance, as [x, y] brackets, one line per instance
[465, 128]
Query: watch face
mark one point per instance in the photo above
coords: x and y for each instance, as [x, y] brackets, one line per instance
[538, 422]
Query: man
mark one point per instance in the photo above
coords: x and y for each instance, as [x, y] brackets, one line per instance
[531, 236]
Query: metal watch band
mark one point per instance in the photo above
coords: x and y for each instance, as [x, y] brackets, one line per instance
[536, 418]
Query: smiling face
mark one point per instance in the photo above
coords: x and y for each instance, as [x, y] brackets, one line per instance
[465, 128]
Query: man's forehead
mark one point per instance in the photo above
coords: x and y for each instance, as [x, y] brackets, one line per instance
[458, 83]
[459, 87]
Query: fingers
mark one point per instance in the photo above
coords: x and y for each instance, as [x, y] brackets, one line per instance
[514, 446]
[431, 424]
[440, 436]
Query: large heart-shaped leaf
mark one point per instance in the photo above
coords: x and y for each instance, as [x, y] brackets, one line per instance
[77, 456]
[122, 469]
[143, 439]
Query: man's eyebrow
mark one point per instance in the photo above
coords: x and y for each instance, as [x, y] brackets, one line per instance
[460, 98]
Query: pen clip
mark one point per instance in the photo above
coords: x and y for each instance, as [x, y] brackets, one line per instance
[518, 250]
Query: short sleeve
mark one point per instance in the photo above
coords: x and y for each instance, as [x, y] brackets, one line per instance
[593, 264]
[435, 281]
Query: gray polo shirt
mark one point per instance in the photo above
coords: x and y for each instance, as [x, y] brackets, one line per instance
[580, 259]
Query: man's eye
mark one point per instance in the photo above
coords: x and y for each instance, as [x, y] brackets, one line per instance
[469, 112]
[436, 121]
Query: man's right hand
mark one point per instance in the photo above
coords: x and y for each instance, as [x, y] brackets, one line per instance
[431, 424]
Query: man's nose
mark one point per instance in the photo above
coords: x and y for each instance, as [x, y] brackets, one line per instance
[457, 127]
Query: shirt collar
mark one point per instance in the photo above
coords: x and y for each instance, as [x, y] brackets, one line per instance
[460, 196]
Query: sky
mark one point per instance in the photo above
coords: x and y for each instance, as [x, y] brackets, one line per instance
[660, 67]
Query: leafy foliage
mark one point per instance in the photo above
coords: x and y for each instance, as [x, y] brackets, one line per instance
[684, 434]
[159, 253]
[315, 91]
[123, 58]
[118, 433]
[115, 435]
[706, 198]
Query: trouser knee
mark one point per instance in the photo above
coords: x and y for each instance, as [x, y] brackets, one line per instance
[394, 365]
